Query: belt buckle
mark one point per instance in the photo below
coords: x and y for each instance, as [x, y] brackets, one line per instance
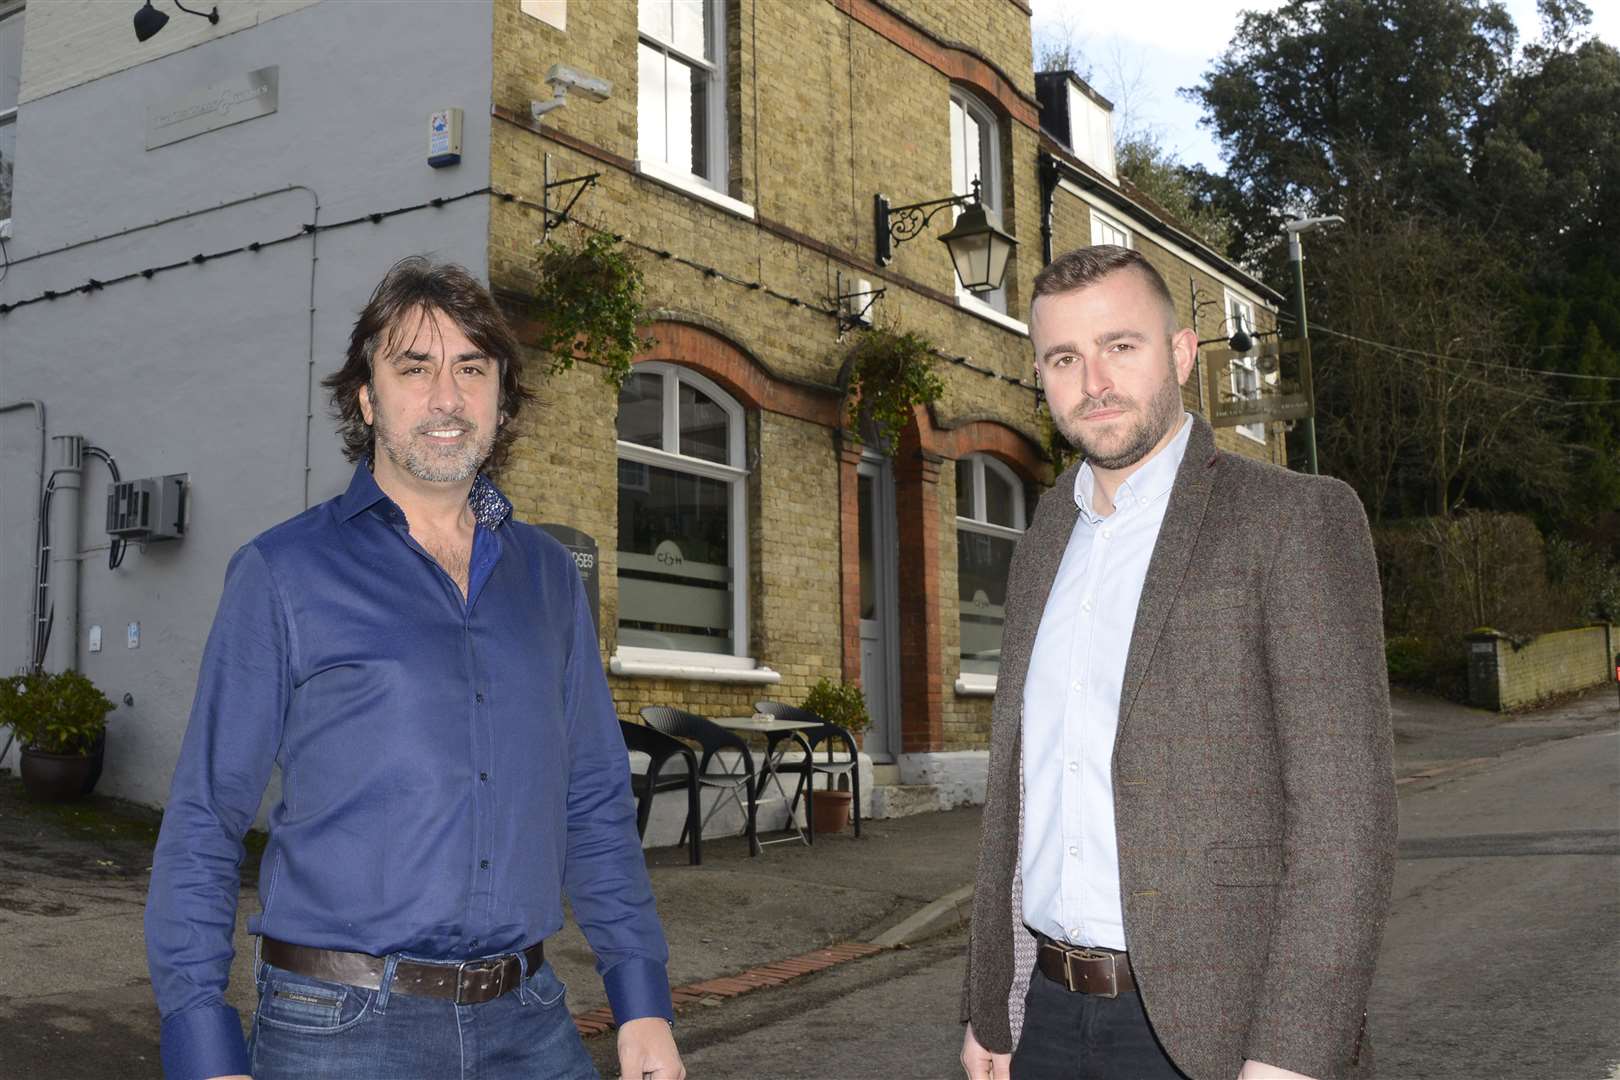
[477, 967]
[1093, 954]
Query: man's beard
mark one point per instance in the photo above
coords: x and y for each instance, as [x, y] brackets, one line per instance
[417, 454]
[1163, 411]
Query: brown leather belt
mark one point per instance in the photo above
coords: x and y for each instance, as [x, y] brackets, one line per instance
[470, 982]
[1103, 972]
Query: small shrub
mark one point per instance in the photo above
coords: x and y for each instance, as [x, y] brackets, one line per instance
[838, 703]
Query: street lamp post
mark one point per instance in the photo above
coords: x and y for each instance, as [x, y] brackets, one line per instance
[1296, 258]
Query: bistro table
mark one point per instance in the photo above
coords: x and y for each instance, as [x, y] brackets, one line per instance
[780, 735]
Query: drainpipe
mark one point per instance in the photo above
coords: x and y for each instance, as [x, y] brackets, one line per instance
[68, 476]
[39, 491]
[1046, 170]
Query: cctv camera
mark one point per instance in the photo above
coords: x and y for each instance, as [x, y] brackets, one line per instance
[563, 78]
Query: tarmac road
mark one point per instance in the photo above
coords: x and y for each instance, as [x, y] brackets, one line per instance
[1501, 958]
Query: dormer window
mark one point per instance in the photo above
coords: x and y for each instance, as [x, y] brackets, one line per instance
[1079, 117]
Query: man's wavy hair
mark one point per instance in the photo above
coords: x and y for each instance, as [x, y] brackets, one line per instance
[412, 285]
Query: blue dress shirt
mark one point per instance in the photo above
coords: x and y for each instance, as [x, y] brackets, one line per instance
[1070, 854]
[449, 767]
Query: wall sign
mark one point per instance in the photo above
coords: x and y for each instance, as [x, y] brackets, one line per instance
[212, 107]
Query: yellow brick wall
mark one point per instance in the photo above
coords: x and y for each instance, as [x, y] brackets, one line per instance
[1554, 664]
[824, 113]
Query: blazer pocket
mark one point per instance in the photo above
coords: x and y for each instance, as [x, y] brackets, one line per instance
[1245, 864]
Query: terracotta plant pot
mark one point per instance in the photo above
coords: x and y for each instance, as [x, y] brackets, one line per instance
[61, 777]
[829, 810]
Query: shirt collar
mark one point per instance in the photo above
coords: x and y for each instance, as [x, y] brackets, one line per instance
[1152, 480]
[489, 506]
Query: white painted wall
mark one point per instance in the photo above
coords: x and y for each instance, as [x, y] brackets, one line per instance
[207, 369]
[75, 41]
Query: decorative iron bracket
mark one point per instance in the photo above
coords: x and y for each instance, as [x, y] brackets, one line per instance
[897, 224]
[853, 319]
[581, 184]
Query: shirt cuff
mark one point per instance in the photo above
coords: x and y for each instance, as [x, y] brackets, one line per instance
[204, 1042]
[638, 988]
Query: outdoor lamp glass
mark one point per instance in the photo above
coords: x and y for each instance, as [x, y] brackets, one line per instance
[979, 248]
[148, 21]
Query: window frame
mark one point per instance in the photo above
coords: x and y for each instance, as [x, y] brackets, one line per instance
[718, 134]
[974, 683]
[1100, 220]
[992, 190]
[8, 117]
[668, 456]
[1249, 364]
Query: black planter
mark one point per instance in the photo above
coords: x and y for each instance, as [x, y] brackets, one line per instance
[62, 777]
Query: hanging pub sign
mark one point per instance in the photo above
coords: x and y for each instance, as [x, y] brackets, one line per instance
[1251, 389]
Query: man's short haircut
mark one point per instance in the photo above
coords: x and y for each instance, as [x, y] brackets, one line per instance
[418, 285]
[1086, 266]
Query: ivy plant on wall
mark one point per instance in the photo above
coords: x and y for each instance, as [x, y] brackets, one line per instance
[589, 302]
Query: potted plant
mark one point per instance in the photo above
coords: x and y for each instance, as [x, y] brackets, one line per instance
[60, 720]
[843, 704]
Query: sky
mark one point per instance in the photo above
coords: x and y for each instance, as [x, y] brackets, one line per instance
[1144, 50]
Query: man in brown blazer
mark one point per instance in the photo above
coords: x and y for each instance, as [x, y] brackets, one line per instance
[1189, 829]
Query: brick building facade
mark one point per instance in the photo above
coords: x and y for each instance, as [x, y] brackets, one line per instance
[746, 235]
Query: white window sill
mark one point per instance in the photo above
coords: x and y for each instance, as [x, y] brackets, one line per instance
[989, 314]
[971, 685]
[688, 184]
[638, 667]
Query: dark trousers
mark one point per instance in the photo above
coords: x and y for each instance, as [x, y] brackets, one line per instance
[1073, 1036]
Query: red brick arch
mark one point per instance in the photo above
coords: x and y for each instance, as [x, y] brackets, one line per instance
[740, 373]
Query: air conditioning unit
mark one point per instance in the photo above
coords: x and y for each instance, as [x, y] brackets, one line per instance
[152, 508]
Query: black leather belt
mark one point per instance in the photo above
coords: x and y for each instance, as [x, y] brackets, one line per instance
[470, 982]
[1103, 972]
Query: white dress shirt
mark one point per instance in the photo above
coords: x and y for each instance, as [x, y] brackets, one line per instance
[1070, 856]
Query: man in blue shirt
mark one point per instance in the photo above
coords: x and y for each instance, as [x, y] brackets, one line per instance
[424, 670]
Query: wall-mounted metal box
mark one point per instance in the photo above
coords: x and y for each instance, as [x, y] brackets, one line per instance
[152, 508]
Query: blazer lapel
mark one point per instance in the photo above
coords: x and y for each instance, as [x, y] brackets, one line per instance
[1183, 517]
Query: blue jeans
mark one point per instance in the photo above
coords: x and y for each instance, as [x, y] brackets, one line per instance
[310, 1029]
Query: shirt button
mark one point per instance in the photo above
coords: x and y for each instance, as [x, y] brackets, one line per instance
[1108, 534]
[1074, 935]
[483, 864]
[1077, 686]
[483, 776]
[1073, 850]
[1074, 766]
[479, 698]
[1085, 605]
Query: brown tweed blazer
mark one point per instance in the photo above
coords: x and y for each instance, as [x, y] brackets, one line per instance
[1253, 787]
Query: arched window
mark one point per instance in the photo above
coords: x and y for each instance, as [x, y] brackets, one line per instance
[976, 155]
[989, 520]
[683, 571]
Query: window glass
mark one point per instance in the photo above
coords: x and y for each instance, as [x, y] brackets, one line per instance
[998, 499]
[651, 106]
[641, 410]
[689, 34]
[981, 574]
[680, 104]
[656, 19]
[986, 533]
[675, 576]
[705, 427]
